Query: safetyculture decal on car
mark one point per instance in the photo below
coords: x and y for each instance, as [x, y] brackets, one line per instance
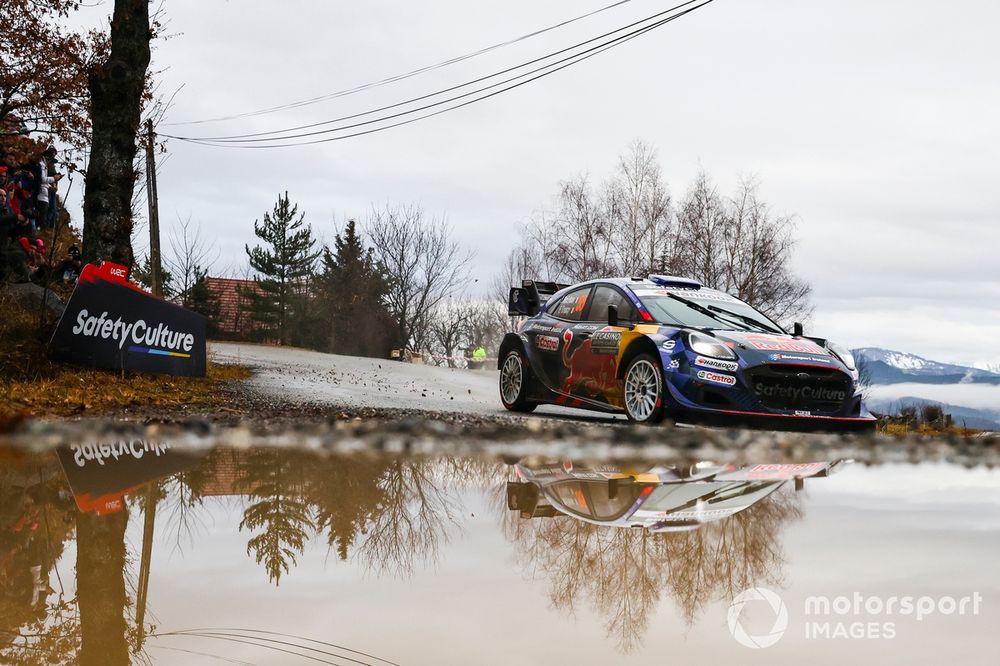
[547, 342]
[800, 392]
[779, 344]
[605, 342]
[718, 364]
[716, 378]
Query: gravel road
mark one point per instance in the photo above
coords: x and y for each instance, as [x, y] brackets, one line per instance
[298, 375]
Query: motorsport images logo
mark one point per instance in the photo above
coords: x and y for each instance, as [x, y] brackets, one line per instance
[778, 608]
[855, 616]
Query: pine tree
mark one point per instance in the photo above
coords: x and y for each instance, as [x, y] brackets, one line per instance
[142, 274]
[283, 263]
[351, 291]
[202, 300]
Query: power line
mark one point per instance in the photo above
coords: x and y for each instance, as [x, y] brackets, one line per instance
[242, 141]
[237, 138]
[253, 137]
[407, 75]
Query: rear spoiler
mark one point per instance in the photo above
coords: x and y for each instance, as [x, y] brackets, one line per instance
[526, 300]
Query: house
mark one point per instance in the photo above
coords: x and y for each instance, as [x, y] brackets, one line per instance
[233, 320]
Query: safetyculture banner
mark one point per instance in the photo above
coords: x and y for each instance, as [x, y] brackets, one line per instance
[102, 474]
[111, 323]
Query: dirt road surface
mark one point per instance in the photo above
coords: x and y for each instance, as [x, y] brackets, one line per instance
[298, 375]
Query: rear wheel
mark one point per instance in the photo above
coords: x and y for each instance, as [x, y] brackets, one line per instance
[644, 390]
[515, 378]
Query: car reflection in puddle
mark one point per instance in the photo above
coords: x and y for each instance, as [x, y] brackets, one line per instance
[136, 553]
[661, 499]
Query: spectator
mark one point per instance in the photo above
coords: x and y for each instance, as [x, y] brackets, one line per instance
[46, 185]
[12, 225]
[70, 267]
[34, 253]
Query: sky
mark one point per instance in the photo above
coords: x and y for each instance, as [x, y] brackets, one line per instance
[873, 123]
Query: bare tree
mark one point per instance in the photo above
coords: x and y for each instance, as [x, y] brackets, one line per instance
[758, 249]
[584, 247]
[865, 375]
[458, 325]
[739, 246]
[637, 202]
[622, 228]
[631, 227]
[701, 228]
[190, 259]
[449, 330]
[423, 262]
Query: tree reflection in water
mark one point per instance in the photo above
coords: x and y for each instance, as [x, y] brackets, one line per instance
[39, 625]
[388, 514]
[274, 480]
[392, 513]
[624, 572]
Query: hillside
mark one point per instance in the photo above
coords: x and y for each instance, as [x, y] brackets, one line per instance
[893, 367]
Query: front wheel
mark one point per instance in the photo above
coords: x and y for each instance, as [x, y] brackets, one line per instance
[515, 375]
[644, 390]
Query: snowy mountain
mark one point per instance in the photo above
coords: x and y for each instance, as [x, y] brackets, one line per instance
[893, 367]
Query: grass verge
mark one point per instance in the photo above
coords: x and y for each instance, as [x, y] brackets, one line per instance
[33, 386]
[70, 391]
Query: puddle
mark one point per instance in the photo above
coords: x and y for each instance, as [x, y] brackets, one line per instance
[137, 552]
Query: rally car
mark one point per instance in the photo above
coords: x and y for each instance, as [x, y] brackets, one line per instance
[668, 347]
[660, 499]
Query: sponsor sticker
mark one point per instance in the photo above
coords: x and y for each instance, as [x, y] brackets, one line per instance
[800, 392]
[794, 357]
[669, 345]
[699, 295]
[605, 342]
[718, 364]
[673, 365]
[716, 378]
[779, 344]
[547, 342]
[538, 327]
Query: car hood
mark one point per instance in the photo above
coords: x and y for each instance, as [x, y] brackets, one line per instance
[758, 348]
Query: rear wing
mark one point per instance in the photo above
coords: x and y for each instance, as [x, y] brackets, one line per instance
[526, 300]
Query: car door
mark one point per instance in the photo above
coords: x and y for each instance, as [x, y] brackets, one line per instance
[591, 356]
[547, 335]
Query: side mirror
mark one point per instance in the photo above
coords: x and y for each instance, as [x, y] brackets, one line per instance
[797, 329]
[612, 315]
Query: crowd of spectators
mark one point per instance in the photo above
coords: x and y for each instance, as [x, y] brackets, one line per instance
[29, 206]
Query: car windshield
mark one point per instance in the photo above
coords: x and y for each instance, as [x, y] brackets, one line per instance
[596, 499]
[704, 309]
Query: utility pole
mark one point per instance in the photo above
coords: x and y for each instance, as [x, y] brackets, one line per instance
[149, 520]
[154, 212]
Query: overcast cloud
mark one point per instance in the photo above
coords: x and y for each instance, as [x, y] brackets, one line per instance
[874, 122]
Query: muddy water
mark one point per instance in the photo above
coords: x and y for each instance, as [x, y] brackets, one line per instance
[142, 554]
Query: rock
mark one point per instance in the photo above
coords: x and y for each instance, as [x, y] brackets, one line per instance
[28, 294]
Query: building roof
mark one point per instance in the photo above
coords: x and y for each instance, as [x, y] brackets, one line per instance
[234, 313]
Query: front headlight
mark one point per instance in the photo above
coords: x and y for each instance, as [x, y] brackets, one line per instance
[845, 356]
[705, 345]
